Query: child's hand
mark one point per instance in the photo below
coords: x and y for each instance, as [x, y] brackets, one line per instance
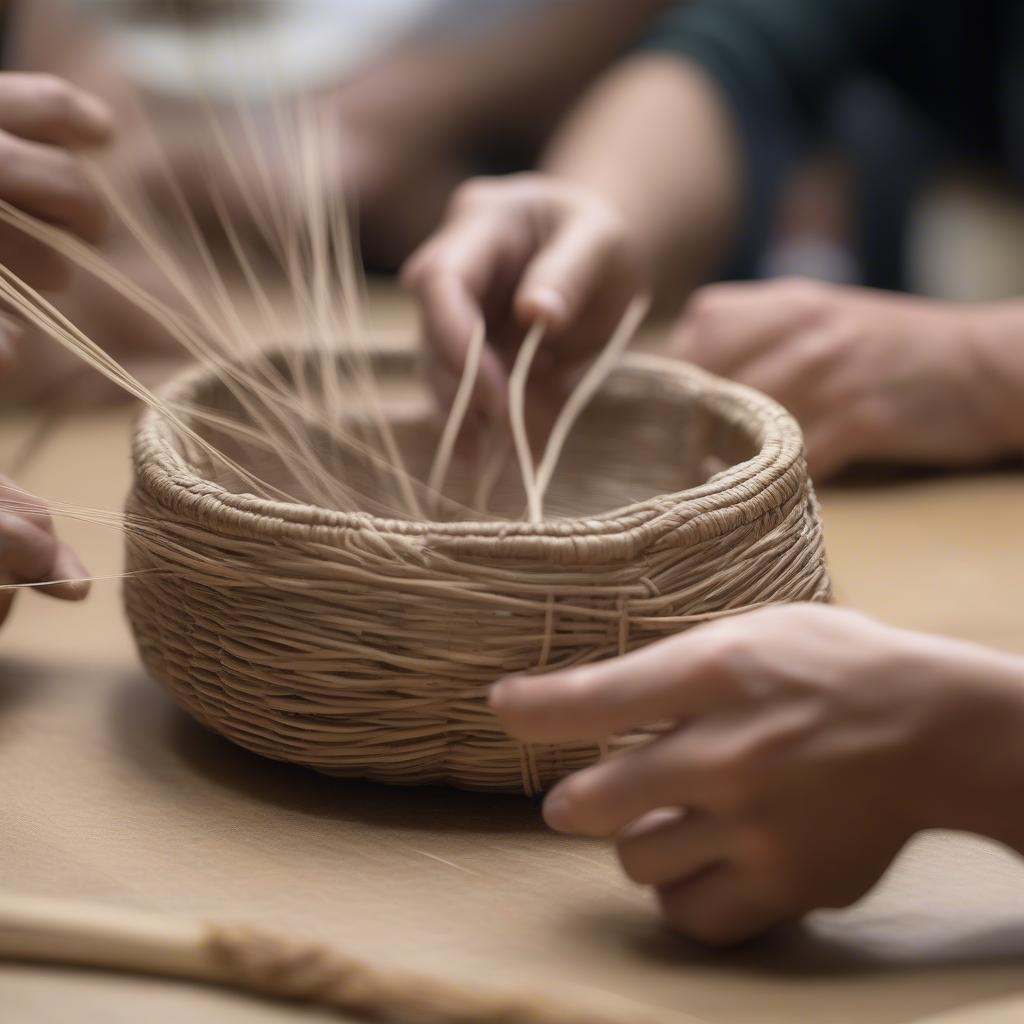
[30, 551]
[517, 250]
[808, 745]
[870, 376]
[42, 121]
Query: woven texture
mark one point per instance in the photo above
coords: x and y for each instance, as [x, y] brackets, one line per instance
[363, 646]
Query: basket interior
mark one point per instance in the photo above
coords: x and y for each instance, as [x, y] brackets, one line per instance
[645, 434]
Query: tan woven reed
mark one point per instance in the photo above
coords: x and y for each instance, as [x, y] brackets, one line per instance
[364, 647]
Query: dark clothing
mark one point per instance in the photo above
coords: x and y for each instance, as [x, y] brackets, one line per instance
[957, 66]
[5, 22]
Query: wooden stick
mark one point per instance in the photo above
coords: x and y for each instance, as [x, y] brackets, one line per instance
[59, 932]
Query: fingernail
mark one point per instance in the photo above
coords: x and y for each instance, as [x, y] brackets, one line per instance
[557, 814]
[549, 305]
[68, 567]
[497, 697]
[98, 113]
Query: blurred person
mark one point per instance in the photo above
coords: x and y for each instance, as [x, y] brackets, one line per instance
[410, 96]
[673, 164]
[44, 123]
[414, 95]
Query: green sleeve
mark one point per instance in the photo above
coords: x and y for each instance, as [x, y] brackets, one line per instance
[783, 55]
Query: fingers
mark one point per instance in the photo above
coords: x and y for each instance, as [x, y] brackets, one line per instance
[778, 337]
[448, 312]
[41, 117]
[30, 552]
[675, 679]
[603, 799]
[18, 501]
[565, 276]
[830, 447]
[726, 326]
[42, 108]
[27, 551]
[713, 885]
[798, 370]
[669, 849]
[521, 250]
[50, 184]
[452, 277]
[72, 575]
[721, 906]
[723, 815]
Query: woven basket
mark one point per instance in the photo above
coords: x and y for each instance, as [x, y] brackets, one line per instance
[364, 647]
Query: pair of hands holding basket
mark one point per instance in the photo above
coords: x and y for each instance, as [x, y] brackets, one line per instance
[811, 743]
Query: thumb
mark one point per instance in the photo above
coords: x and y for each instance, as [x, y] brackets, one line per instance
[567, 273]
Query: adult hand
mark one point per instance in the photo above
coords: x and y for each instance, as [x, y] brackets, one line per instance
[517, 250]
[869, 376]
[30, 551]
[43, 120]
[808, 745]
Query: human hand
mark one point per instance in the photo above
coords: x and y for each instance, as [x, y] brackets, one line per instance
[30, 551]
[807, 745]
[869, 376]
[517, 250]
[43, 120]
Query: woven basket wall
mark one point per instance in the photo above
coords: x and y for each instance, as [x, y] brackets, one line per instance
[364, 647]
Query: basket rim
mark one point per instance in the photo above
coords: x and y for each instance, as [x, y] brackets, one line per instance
[163, 472]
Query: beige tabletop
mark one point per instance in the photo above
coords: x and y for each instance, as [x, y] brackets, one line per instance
[109, 793]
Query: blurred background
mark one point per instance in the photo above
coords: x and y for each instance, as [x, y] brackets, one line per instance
[421, 94]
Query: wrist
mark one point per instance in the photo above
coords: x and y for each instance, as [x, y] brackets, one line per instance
[992, 340]
[975, 776]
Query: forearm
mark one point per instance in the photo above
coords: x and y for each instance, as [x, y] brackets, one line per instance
[507, 78]
[996, 344]
[656, 139]
[528, 74]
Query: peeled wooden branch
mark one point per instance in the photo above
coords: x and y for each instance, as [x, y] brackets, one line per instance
[65, 933]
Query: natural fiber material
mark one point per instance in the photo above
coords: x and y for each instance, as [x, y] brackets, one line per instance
[364, 646]
[281, 967]
[260, 962]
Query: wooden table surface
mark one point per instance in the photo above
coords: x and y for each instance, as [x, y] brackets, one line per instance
[109, 793]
